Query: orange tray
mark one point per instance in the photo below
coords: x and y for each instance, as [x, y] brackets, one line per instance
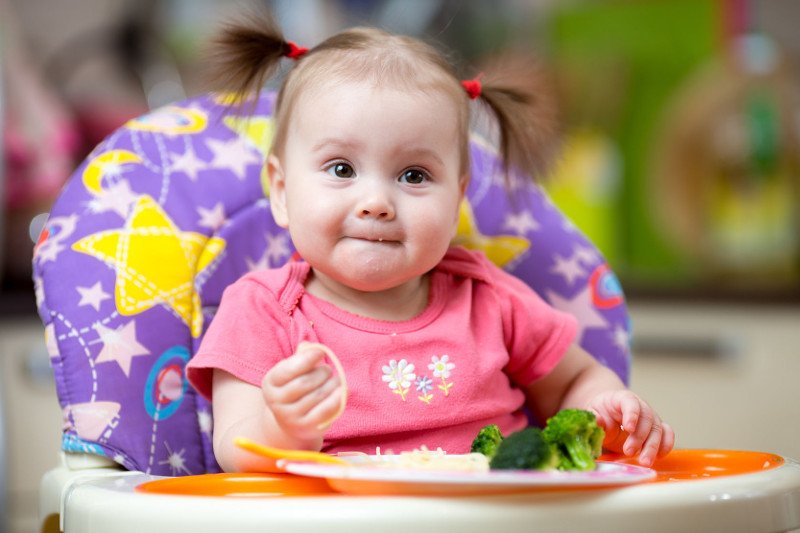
[238, 485]
[684, 465]
[678, 465]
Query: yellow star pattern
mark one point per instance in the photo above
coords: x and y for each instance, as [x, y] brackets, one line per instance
[500, 249]
[258, 132]
[155, 262]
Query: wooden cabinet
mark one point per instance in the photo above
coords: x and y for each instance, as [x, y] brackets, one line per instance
[32, 430]
[723, 376]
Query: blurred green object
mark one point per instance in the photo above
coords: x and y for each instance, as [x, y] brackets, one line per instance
[621, 61]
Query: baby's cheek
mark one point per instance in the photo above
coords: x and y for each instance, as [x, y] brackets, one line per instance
[437, 229]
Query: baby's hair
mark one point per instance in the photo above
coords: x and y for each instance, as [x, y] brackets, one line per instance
[246, 54]
[517, 91]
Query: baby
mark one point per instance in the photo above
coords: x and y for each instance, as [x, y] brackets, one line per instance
[367, 169]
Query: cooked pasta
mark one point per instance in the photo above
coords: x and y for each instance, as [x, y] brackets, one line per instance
[337, 365]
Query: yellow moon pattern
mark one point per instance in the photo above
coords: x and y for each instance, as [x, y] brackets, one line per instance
[171, 120]
[106, 164]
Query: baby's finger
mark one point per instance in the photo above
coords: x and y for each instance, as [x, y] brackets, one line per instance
[323, 413]
[631, 407]
[294, 417]
[299, 387]
[300, 363]
[644, 426]
[307, 402]
[667, 439]
[651, 445]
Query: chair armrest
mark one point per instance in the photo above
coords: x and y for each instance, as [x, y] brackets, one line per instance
[57, 483]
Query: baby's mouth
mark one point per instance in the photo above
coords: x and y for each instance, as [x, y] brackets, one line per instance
[376, 239]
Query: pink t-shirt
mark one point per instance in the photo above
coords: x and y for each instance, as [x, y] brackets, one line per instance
[433, 380]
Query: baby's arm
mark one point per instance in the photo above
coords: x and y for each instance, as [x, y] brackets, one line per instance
[297, 397]
[579, 381]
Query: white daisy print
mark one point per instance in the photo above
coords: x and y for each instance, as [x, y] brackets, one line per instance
[399, 376]
[441, 367]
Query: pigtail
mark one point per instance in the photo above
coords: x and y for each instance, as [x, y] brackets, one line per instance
[244, 55]
[524, 105]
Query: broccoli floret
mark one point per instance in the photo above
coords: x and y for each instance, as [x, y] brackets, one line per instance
[577, 437]
[487, 440]
[524, 450]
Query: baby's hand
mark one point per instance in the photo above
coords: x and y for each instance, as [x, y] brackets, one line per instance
[302, 394]
[632, 426]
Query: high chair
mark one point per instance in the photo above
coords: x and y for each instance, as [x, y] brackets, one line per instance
[151, 228]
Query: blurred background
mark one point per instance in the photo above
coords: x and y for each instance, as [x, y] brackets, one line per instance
[681, 161]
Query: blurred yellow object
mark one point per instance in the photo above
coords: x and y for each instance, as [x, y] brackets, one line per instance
[585, 185]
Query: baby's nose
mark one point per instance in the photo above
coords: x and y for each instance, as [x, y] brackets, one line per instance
[377, 212]
[377, 204]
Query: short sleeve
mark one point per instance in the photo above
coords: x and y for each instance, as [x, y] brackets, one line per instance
[247, 336]
[537, 335]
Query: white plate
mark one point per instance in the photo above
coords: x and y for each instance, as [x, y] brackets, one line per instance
[360, 478]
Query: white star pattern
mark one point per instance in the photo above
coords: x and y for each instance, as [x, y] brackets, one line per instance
[119, 345]
[94, 296]
[212, 218]
[261, 264]
[59, 228]
[569, 268]
[580, 307]
[521, 223]
[175, 460]
[621, 338]
[188, 163]
[49, 252]
[569, 226]
[234, 155]
[516, 181]
[118, 197]
[547, 202]
[586, 254]
[277, 247]
[205, 421]
[38, 290]
[274, 255]
[114, 170]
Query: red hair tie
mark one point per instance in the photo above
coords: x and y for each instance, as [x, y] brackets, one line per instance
[473, 87]
[295, 52]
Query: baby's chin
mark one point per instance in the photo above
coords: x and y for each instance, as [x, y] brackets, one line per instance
[377, 282]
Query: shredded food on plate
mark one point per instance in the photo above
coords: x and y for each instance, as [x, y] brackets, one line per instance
[425, 459]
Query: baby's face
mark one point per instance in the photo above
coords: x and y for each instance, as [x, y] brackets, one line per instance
[368, 183]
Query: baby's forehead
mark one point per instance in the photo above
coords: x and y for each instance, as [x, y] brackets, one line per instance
[361, 103]
[345, 100]
[415, 84]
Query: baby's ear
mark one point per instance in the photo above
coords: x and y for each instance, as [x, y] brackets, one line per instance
[277, 191]
[463, 183]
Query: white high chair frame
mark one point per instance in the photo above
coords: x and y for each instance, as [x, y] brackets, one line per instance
[84, 496]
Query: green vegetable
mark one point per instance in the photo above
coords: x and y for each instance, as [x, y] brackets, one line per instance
[525, 450]
[487, 440]
[574, 433]
[571, 440]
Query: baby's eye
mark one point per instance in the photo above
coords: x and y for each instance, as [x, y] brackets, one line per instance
[414, 176]
[341, 170]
